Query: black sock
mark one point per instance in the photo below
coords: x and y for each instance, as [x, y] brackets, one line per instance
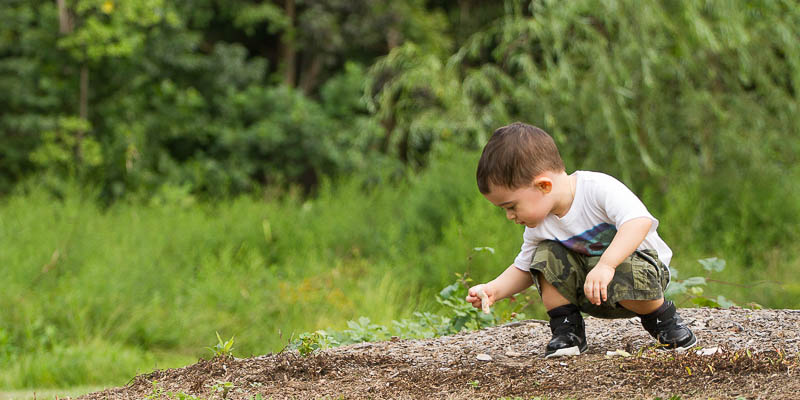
[658, 312]
[564, 310]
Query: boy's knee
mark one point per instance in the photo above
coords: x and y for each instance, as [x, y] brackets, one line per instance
[540, 279]
[641, 307]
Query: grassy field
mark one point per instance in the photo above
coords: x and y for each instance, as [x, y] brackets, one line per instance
[93, 295]
[34, 394]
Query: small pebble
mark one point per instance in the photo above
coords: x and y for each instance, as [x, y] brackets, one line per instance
[709, 351]
[618, 353]
[484, 357]
[512, 353]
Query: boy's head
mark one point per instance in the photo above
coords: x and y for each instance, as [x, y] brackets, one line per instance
[515, 155]
[521, 171]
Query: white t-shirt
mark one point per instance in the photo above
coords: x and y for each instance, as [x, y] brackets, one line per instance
[601, 204]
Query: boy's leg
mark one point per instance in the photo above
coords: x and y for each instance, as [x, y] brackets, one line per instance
[666, 326]
[551, 298]
[642, 307]
[553, 262]
[566, 322]
[637, 289]
[643, 278]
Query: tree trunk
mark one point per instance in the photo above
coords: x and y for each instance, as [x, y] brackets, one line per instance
[393, 37]
[308, 79]
[64, 19]
[463, 17]
[66, 25]
[289, 50]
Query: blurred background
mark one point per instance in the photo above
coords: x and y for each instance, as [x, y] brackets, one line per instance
[171, 169]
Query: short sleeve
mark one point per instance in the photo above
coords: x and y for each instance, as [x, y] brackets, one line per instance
[621, 204]
[525, 256]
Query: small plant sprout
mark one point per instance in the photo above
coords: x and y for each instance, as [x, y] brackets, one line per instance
[222, 348]
[222, 387]
[155, 393]
[311, 342]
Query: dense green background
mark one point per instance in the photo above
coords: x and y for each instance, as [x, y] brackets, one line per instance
[169, 169]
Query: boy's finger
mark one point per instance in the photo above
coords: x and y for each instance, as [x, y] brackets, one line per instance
[597, 293]
[604, 292]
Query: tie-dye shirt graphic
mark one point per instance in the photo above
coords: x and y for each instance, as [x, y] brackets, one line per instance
[593, 242]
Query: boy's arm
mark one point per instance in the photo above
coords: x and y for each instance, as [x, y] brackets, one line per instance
[629, 236]
[513, 280]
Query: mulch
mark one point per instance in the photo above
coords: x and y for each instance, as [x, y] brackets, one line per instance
[741, 353]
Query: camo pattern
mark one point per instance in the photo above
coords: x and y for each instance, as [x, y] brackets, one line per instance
[642, 276]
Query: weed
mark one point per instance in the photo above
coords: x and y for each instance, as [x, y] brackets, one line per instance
[307, 343]
[222, 348]
[155, 393]
[463, 314]
[692, 287]
[182, 396]
[364, 330]
[222, 387]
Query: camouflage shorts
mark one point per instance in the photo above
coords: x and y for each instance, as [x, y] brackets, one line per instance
[642, 276]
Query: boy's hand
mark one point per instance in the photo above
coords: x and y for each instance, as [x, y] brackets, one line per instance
[474, 297]
[597, 283]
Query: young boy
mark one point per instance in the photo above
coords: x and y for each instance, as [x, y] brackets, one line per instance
[589, 244]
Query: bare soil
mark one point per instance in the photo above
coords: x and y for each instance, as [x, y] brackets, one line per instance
[758, 359]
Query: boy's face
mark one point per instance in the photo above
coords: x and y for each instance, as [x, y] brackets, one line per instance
[528, 205]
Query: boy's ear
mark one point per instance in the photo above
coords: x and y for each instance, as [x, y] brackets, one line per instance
[543, 183]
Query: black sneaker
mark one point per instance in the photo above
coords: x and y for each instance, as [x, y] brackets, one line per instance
[569, 332]
[666, 326]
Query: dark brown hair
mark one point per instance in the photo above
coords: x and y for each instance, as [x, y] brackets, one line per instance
[514, 155]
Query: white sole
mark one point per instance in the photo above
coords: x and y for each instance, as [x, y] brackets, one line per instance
[688, 346]
[566, 352]
[680, 349]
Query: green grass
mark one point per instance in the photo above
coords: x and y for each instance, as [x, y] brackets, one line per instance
[93, 296]
[42, 394]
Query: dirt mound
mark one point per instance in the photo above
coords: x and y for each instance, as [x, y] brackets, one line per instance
[741, 353]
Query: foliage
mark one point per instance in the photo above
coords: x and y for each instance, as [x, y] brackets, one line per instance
[323, 154]
[222, 348]
[701, 105]
[308, 343]
[456, 316]
[692, 288]
[158, 279]
[463, 314]
[222, 388]
[222, 97]
[158, 393]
